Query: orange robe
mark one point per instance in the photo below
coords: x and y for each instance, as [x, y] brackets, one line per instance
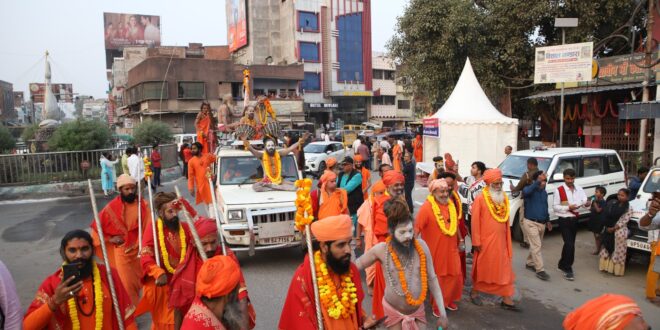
[492, 270]
[444, 250]
[199, 317]
[197, 167]
[334, 204]
[203, 127]
[366, 179]
[366, 220]
[381, 232]
[155, 299]
[40, 316]
[121, 219]
[418, 149]
[299, 311]
[396, 157]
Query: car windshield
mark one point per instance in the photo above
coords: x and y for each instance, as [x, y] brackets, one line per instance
[513, 167]
[315, 148]
[248, 170]
[653, 183]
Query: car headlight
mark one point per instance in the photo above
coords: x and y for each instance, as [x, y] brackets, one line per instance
[235, 215]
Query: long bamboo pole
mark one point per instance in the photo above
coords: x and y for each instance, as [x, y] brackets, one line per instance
[217, 217]
[193, 231]
[154, 218]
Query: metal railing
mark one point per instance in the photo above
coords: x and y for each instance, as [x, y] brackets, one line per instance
[67, 166]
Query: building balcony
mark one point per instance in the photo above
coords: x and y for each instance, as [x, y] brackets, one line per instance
[386, 87]
[383, 111]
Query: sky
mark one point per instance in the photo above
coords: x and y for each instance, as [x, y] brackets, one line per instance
[72, 32]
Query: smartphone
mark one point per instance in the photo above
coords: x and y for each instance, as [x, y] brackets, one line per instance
[69, 270]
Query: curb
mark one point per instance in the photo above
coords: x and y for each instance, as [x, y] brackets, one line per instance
[68, 189]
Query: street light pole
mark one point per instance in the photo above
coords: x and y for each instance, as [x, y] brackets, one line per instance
[561, 102]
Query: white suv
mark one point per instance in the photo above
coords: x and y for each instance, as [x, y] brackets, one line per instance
[638, 238]
[594, 167]
[254, 220]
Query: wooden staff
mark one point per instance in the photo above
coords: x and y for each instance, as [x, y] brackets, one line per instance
[217, 217]
[154, 218]
[312, 265]
[193, 231]
[111, 283]
[139, 191]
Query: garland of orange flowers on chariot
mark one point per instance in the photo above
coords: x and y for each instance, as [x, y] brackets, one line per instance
[453, 220]
[267, 165]
[337, 304]
[500, 212]
[304, 211]
[98, 302]
[402, 275]
[163, 248]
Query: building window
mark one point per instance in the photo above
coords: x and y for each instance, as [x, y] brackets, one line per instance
[309, 51]
[308, 21]
[312, 82]
[378, 74]
[350, 47]
[389, 75]
[152, 90]
[383, 100]
[193, 90]
[403, 104]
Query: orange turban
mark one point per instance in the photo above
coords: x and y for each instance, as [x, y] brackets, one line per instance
[358, 158]
[217, 277]
[449, 161]
[438, 183]
[492, 175]
[379, 187]
[609, 311]
[331, 161]
[393, 177]
[206, 227]
[328, 176]
[125, 179]
[333, 228]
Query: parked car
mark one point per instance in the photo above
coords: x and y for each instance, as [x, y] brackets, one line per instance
[180, 139]
[637, 238]
[253, 221]
[397, 135]
[594, 167]
[317, 153]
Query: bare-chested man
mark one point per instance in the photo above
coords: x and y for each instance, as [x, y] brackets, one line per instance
[405, 257]
[272, 164]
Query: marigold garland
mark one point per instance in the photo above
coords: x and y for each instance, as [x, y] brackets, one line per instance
[98, 302]
[500, 212]
[147, 167]
[266, 164]
[303, 204]
[163, 248]
[453, 219]
[336, 307]
[402, 275]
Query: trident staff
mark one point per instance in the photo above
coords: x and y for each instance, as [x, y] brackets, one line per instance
[111, 283]
[154, 218]
[193, 231]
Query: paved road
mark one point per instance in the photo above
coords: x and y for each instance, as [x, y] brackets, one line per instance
[30, 235]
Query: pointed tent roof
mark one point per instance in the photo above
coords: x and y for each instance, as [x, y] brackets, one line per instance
[469, 104]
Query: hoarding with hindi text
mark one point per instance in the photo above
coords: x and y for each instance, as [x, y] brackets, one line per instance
[563, 63]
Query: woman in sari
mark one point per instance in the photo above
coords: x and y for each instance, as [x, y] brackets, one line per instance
[107, 173]
[616, 215]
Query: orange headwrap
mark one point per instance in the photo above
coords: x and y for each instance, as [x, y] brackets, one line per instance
[325, 178]
[333, 228]
[438, 183]
[609, 311]
[379, 187]
[393, 177]
[331, 161]
[449, 162]
[358, 158]
[492, 175]
[217, 277]
[125, 179]
[206, 227]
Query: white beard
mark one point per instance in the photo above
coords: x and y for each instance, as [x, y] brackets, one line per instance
[497, 195]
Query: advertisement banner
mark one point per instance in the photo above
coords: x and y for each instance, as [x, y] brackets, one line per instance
[237, 35]
[128, 30]
[563, 63]
[431, 127]
[62, 92]
[624, 68]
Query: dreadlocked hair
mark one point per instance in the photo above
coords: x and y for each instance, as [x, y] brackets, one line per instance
[397, 212]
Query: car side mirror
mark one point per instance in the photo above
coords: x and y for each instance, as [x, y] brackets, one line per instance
[328, 152]
[558, 177]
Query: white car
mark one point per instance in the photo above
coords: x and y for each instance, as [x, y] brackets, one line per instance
[317, 153]
[594, 167]
[254, 220]
[179, 139]
[638, 238]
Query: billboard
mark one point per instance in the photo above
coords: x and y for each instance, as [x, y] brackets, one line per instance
[122, 30]
[62, 92]
[563, 63]
[431, 127]
[237, 28]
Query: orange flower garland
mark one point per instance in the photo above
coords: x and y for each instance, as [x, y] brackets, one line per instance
[500, 212]
[336, 307]
[402, 275]
[267, 165]
[98, 302]
[303, 204]
[163, 248]
[147, 167]
[453, 220]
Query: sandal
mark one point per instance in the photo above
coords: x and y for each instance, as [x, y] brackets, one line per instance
[508, 307]
[476, 300]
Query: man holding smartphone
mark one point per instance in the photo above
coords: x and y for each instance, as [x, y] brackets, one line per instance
[651, 223]
[82, 287]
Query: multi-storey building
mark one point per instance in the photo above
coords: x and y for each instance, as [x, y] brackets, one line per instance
[391, 103]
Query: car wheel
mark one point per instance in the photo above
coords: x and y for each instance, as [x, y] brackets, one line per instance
[321, 169]
[516, 230]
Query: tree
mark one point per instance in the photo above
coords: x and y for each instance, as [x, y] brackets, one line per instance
[149, 132]
[80, 135]
[29, 132]
[7, 142]
[433, 39]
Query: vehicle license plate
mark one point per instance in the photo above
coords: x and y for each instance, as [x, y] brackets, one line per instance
[644, 246]
[276, 240]
[276, 229]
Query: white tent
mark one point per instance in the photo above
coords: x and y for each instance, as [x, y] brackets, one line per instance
[471, 129]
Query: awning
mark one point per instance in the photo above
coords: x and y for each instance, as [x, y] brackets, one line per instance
[585, 90]
[639, 110]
